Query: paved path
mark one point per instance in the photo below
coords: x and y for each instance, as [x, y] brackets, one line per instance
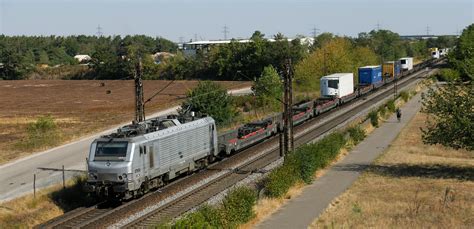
[16, 178]
[302, 210]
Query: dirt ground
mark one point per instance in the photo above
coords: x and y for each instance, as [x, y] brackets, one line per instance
[411, 185]
[78, 107]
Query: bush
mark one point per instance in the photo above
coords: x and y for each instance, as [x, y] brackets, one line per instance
[246, 102]
[374, 118]
[237, 206]
[391, 105]
[308, 161]
[43, 132]
[382, 111]
[405, 95]
[205, 217]
[211, 99]
[357, 134]
[282, 178]
[448, 75]
[303, 163]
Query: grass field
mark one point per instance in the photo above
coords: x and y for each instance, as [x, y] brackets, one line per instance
[411, 185]
[77, 107]
[28, 211]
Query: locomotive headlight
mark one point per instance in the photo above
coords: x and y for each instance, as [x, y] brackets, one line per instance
[122, 177]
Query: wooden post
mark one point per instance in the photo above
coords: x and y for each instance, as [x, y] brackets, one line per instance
[34, 186]
[64, 179]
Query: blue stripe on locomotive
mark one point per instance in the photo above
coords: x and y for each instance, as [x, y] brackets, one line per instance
[369, 76]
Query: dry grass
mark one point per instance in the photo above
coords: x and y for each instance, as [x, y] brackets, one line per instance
[78, 107]
[411, 185]
[265, 207]
[27, 211]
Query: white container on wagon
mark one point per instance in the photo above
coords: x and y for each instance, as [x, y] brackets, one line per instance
[407, 63]
[337, 85]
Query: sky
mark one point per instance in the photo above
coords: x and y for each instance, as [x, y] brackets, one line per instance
[205, 19]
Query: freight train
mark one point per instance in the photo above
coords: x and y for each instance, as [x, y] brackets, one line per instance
[147, 155]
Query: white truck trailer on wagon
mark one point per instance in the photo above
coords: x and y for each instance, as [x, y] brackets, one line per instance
[337, 85]
[407, 63]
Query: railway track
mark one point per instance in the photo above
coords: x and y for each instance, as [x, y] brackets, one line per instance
[214, 180]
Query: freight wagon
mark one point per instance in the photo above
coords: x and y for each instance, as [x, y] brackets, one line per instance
[370, 75]
[337, 85]
[406, 63]
[390, 71]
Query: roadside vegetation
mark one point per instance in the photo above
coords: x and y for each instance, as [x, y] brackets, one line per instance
[449, 108]
[411, 185]
[28, 211]
[41, 133]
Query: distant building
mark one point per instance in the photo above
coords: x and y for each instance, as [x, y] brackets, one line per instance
[422, 37]
[82, 58]
[160, 56]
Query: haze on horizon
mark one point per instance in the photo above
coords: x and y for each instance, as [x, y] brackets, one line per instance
[204, 19]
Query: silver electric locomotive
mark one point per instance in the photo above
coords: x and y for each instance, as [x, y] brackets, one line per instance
[146, 155]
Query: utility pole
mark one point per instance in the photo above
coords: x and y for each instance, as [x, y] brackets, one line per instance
[139, 103]
[287, 141]
[290, 102]
[377, 26]
[285, 114]
[395, 88]
[99, 31]
[428, 29]
[314, 31]
[225, 31]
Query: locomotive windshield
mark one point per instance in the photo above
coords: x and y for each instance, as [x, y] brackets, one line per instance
[111, 150]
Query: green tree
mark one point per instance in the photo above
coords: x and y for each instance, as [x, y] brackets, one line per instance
[43, 57]
[386, 44]
[322, 39]
[334, 56]
[463, 56]
[268, 88]
[450, 119]
[11, 64]
[211, 99]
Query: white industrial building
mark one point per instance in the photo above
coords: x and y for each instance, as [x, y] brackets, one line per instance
[191, 47]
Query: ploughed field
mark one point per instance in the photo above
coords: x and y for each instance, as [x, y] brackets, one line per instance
[78, 108]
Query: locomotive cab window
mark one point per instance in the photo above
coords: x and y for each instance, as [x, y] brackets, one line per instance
[111, 151]
[333, 84]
